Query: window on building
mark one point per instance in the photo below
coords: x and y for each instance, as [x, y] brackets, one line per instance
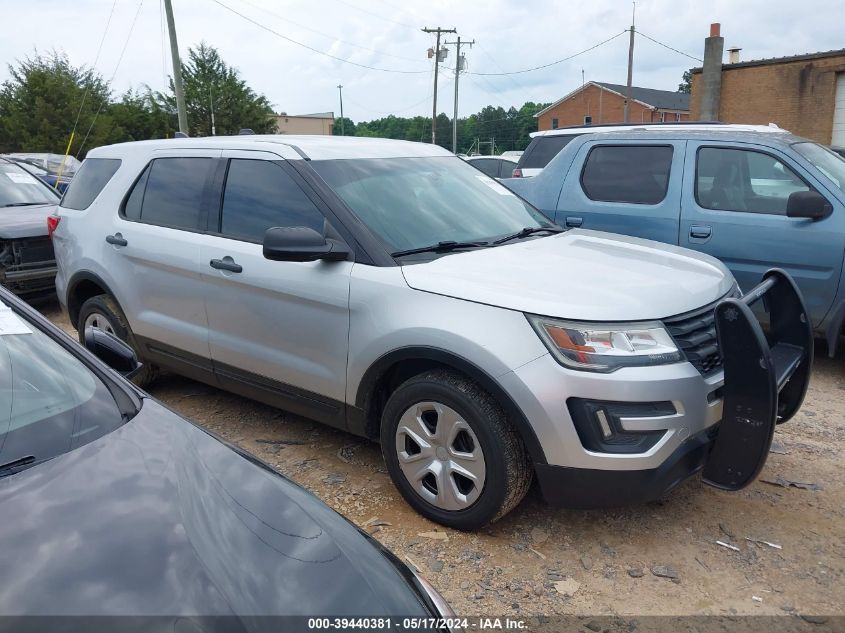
[169, 193]
[260, 195]
[663, 117]
[744, 180]
[554, 124]
[636, 174]
[677, 116]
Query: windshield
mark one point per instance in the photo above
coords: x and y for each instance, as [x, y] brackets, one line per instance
[18, 187]
[829, 163]
[50, 403]
[414, 202]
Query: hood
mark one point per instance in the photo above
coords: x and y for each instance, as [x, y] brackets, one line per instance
[18, 222]
[580, 275]
[159, 518]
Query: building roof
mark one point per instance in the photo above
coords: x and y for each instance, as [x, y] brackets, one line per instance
[649, 97]
[290, 146]
[779, 60]
[316, 115]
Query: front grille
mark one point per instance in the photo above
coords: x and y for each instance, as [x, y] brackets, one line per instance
[695, 334]
[35, 250]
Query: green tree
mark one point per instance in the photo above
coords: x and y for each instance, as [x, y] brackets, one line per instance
[210, 81]
[686, 84]
[40, 101]
[347, 127]
[140, 116]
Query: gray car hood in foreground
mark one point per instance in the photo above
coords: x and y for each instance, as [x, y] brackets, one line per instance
[160, 519]
[580, 275]
[18, 222]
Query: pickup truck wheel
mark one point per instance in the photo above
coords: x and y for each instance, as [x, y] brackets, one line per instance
[451, 451]
[102, 312]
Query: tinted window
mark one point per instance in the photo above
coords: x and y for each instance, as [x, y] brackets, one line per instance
[489, 166]
[50, 403]
[169, 193]
[89, 181]
[20, 188]
[260, 195]
[636, 174]
[543, 149]
[414, 202]
[744, 180]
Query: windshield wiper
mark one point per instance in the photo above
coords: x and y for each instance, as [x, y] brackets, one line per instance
[528, 230]
[21, 462]
[23, 204]
[440, 247]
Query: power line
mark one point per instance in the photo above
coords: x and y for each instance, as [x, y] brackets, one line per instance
[559, 61]
[315, 50]
[669, 47]
[326, 35]
[114, 72]
[375, 15]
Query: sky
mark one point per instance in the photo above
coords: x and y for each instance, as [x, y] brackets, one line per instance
[510, 35]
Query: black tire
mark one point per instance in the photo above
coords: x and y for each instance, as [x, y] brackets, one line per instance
[508, 468]
[106, 307]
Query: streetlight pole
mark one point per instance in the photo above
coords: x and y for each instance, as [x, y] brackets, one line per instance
[340, 91]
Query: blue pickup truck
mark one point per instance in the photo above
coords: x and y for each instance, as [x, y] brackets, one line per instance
[754, 199]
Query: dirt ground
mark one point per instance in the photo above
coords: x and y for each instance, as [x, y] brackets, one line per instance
[544, 561]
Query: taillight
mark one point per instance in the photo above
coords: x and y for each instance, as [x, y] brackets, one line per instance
[517, 173]
[52, 224]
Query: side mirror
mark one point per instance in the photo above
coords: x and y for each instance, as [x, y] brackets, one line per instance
[112, 351]
[807, 204]
[301, 244]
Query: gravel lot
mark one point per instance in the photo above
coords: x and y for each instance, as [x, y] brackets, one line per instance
[659, 558]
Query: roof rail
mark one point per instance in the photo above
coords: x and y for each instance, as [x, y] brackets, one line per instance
[649, 124]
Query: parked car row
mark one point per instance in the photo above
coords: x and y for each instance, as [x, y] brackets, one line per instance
[390, 289]
[57, 170]
[754, 198]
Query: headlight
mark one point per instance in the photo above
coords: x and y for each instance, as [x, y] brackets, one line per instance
[605, 347]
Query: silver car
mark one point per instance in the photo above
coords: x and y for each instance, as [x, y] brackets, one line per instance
[392, 290]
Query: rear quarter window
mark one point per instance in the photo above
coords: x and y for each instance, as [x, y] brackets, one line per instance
[542, 150]
[89, 181]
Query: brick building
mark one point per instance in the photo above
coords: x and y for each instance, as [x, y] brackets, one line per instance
[605, 103]
[319, 123]
[804, 94]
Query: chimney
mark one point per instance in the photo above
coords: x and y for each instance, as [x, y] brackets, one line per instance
[711, 74]
[733, 54]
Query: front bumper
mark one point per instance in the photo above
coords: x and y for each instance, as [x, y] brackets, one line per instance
[593, 488]
[763, 383]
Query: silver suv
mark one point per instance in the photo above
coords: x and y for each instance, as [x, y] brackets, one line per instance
[391, 290]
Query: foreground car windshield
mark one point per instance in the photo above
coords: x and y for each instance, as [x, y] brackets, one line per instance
[50, 403]
[416, 202]
[18, 187]
[830, 164]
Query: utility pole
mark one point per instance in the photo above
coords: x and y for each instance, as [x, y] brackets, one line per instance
[211, 104]
[437, 30]
[340, 90]
[630, 62]
[177, 70]
[459, 66]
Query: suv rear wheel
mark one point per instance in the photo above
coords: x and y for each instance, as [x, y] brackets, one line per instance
[103, 313]
[451, 451]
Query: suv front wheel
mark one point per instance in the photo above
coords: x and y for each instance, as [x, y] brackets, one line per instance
[103, 313]
[451, 451]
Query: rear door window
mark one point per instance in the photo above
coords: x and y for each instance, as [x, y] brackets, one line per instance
[88, 182]
[169, 193]
[260, 195]
[543, 149]
[489, 166]
[636, 174]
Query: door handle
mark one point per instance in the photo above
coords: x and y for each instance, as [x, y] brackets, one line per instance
[699, 232]
[116, 240]
[573, 222]
[227, 263]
